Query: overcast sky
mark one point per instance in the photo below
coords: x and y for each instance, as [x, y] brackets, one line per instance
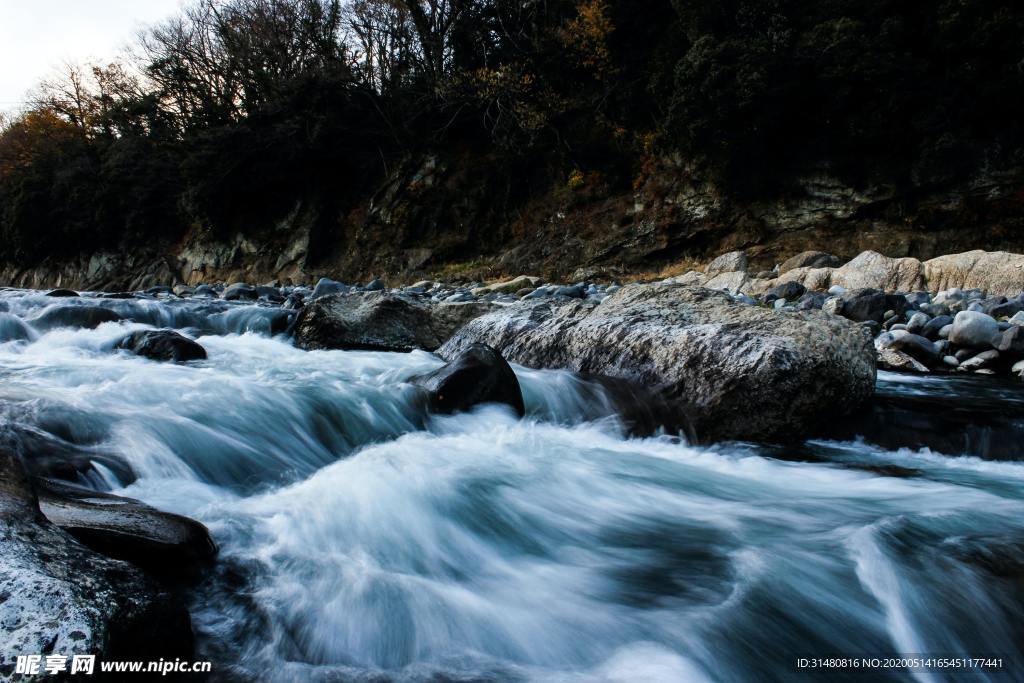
[37, 36]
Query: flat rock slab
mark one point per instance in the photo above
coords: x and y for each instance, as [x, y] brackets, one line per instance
[59, 596]
[737, 371]
[381, 321]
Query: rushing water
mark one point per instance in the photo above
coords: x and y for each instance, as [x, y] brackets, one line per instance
[362, 540]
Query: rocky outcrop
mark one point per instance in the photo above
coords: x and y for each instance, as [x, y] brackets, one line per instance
[996, 272]
[166, 345]
[381, 321]
[740, 371]
[61, 597]
[477, 375]
[162, 543]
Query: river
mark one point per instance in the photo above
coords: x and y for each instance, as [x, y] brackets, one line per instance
[362, 540]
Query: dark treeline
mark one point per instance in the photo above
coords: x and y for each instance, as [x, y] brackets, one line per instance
[227, 115]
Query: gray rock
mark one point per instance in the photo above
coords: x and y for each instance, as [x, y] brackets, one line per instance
[73, 316]
[739, 371]
[165, 345]
[917, 322]
[837, 290]
[787, 290]
[917, 347]
[381, 321]
[974, 330]
[1011, 342]
[945, 331]
[240, 292]
[272, 294]
[982, 360]
[734, 261]
[325, 286]
[1017, 319]
[870, 304]
[935, 325]
[205, 290]
[477, 375]
[573, 291]
[891, 359]
[375, 285]
[62, 597]
[162, 543]
[951, 361]
[809, 259]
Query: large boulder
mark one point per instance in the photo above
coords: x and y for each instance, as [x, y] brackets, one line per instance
[73, 316]
[740, 372]
[381, 321]
[732, 262]
[61, 597]
[863, 305]
[996, 272]
[873, 270]
[126, 529]
[477, 375]
[165, 345]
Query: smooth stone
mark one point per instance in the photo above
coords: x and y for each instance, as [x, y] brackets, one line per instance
[1017, 319]
[477, 375]
[869, 304]
[1011, 342]
[945, 331]
[731, 262]
[933, 327]
[891, 359]
[917, 322]
[325, 286]
[205, 290]
[983, 359]
[973, 329]
[88, 317]
[787, 290]
[165, 345]
[240, 291]
[62, 293]
[918, 347]
[951, 361]
[808, 259]
[375, 285]
[572, 291]
[837, 290]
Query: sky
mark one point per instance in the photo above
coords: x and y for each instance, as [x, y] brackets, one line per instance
[37, 36]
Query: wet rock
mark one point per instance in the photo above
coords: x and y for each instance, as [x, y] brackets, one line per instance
[572, 291]
[739, 371]
[734, 261]
[1011, 342]
[787, 290]
[59, 596]
[325, 286]
[375, 285]
[240, 292]
[809, 259]
[205, 290]
[870, 304]
[74, 316]
[13, 328]
[162, 543]
[932, 328]
[62, 293]
[916, 323]
[381, 321]
[973, 330]
[166, 345]
[184, 291]
[272, 294]
[477, 375]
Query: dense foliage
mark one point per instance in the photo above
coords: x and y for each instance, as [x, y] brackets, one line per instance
[229, 114]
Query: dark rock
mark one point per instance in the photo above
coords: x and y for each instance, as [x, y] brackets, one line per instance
[811, 300]
[809, 259]
[918, 348]
[869, 304]
[162, 543]
[46, 454]
[294, 302]
[272, 294]
[1011, 342]
[325, 286]
[789, 291]
[74, 316]
[381, 321]
[240, 292]
[159, 289]
[477, 375]
[936, 310]
[205, 290]
[375, 285]
[740, 372]
[62, 293]
[59, 596]
[162, 345]
[572, 291]
[933, 326]
[916, 322]
[13, 328]
[1007, 309]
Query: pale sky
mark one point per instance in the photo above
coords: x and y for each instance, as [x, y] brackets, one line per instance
[37, 36]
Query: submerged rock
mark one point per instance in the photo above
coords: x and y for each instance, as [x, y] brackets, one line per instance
[381, 321]
[162, 543]
[62, 293]
[741, 372]
[61, 597]
[163, 345]
[477, 375]
[74, 316]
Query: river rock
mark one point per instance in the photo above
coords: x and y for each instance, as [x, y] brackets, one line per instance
[381, 321]
[162, 543]
[13, 328]
[325, 286]
[509, 286]
[870, 304]
[893, 359]
[73, 316]
[163, 345]
[734, 261]
[61, 597]
[973, 330]
[808, 259]
[1011, 342]
[477, 375]
[789, 291]
[741, 372]
[240, 292]
[62, 293]
[996, 272]
[915, 346]
[979, 361]
[934, 326]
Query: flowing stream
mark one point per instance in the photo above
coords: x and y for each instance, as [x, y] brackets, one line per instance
[363, 540]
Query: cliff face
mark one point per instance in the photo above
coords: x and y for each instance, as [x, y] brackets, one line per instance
[451, 217]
